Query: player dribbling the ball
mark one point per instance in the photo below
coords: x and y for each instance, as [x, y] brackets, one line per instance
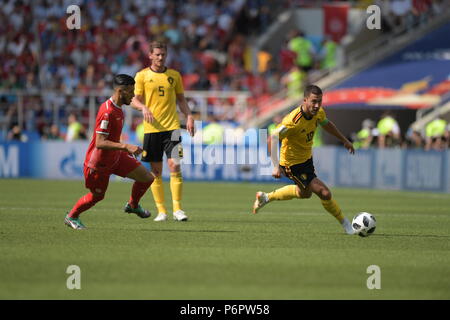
[296, 133]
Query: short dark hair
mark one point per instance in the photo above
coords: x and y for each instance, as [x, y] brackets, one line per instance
[123, 80]
[312, 89]
[157, 44]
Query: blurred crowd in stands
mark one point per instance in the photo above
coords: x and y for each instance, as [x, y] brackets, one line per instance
[386, 133]
[208, 43]
[402, 15]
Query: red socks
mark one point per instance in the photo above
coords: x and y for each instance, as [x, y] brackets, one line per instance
[138, 190]
[84, 203]
[89, 200]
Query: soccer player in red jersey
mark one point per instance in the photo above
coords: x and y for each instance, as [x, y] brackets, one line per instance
[106, 155]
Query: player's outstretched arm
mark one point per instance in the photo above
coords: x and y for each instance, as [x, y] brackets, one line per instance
[333, 130]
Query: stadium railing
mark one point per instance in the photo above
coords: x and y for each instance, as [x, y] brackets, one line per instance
[21, 107]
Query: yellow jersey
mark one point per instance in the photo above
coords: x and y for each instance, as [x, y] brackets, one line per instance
[296, 133]
[159, 90]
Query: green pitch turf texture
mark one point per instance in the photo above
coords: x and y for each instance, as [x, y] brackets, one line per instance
[290, 250]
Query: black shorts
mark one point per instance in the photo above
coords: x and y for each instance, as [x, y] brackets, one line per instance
[302, 173]
[158, 143]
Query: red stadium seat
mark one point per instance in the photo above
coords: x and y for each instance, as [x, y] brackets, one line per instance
[189, 80]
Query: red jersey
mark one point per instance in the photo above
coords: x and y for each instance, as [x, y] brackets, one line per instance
[109, 121]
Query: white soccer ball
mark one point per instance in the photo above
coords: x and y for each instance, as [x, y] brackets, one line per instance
[364, 224]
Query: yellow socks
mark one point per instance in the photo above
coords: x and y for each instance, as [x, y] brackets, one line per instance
[158, 194]
[176, 187]
[333, 208]
[286, 193]
[291, 191]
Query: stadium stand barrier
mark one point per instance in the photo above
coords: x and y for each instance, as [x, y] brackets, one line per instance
[36, 111]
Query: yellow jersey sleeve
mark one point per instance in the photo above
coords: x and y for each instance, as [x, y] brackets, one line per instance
[139, 85]
[286, 126]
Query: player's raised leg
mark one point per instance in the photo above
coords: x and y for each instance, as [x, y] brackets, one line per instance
[324, 193]
[285, 193]
[288, 192]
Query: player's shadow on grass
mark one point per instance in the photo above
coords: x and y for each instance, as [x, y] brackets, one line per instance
[177, 230]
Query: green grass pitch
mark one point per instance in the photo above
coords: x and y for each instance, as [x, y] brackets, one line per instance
[290, 250]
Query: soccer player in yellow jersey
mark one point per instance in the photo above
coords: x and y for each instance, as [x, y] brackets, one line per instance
[157, 91]
[296, 133]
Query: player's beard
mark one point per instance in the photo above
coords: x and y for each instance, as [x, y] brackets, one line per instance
[159, 64]
[125, 100]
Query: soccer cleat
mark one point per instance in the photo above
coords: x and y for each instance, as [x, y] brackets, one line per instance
[180, 216]
[347, 227]
[261, 201]
[139, 211]
[74, 223]
[161, 217]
